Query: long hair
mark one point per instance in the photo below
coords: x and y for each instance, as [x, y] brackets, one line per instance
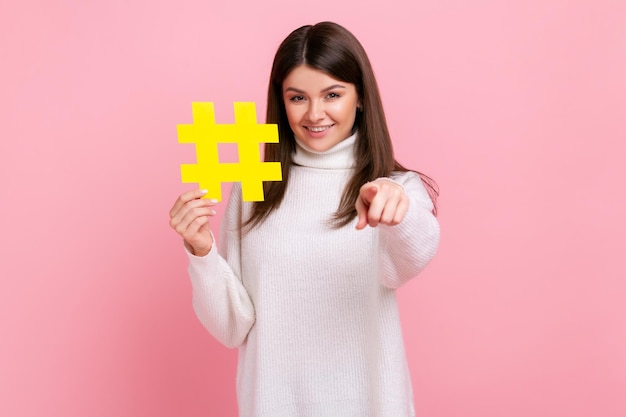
[332, 49]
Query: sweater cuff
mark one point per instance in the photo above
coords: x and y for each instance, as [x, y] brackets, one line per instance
[190, 254]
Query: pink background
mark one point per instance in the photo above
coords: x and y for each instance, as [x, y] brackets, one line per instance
[517, 108]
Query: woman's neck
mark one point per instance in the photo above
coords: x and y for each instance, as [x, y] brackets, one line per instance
[340, 156]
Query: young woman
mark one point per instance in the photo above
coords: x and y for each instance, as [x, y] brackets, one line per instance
[304, 282]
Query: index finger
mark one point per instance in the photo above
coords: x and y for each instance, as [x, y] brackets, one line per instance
[185, 198]
[361, 211]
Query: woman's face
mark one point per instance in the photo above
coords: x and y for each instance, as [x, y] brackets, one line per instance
[320, 109]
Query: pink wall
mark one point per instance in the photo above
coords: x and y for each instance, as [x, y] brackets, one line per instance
[517, 108]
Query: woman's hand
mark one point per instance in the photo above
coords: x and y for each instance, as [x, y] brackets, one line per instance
[189, 217]
[381, 201]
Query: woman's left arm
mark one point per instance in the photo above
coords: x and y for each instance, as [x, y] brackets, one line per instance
[408, 231]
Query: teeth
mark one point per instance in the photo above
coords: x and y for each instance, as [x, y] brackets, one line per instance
[318, 129]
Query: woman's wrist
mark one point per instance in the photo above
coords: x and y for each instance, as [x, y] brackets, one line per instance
[198, 251]
[391, 180]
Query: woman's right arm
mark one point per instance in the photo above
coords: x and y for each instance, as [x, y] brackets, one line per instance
[220, 300]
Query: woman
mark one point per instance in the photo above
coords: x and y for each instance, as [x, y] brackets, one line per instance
[304, 282]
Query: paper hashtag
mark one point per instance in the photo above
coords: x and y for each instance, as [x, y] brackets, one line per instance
[247, 134]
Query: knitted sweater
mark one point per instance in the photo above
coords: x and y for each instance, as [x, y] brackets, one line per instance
[313, 309]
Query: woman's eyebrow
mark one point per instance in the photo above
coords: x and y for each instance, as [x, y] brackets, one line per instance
[332, 87]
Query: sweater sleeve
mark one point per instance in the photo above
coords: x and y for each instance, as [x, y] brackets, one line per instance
[408, 247]
[220, 300]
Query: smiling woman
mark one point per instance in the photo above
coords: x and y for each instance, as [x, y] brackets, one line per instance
[321, 109]
[300, 284]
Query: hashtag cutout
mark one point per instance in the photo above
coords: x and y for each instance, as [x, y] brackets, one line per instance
[247, 134]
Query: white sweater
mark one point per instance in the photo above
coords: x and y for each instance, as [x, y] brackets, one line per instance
[313, 309]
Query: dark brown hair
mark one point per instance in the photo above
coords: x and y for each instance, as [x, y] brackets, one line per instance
[332, 49]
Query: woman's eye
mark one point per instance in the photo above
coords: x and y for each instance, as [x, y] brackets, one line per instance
[333, 95]
[296, 98]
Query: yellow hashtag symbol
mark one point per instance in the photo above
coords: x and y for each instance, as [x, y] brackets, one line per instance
[246, 133]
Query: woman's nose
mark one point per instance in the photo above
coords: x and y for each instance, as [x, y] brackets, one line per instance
[315, 111]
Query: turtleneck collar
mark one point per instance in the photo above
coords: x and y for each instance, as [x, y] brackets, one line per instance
[340, 156]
